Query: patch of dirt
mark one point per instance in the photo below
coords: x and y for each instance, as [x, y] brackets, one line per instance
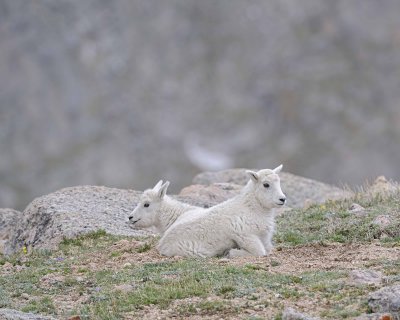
[337, 256]
[285, 260]
[50, 280]
[68, 302]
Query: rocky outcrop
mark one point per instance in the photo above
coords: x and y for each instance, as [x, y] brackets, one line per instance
[9, 220]
[300, 191]
[70, 212]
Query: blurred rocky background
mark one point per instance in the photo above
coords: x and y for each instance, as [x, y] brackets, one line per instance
[123, 93]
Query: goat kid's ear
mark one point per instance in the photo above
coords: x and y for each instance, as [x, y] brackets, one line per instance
[278, 169]
[163, 190]
[158, 185]
[253, 175]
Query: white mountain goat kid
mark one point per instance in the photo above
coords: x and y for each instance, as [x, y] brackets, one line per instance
[155, 209]
[241, 226]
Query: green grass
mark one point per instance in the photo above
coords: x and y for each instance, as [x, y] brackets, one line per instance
[145, 247]
[4, 298]
[79, 240]
[43, 305]
[332, 222]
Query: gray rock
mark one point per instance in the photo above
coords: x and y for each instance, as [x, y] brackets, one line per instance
[382, 221]
[365, 276]
[357, 209]
[125, 288]
[210, 195]
[291, 314]
[235, 176]
[386, 299]
[10, 314]
[9, 219]
[299, 191]
[74, 211]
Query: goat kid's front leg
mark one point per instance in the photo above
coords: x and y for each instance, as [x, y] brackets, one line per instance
[249, 246]
[238, 253]
[267, 243]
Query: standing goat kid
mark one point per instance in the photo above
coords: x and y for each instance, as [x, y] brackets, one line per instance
[241, 226]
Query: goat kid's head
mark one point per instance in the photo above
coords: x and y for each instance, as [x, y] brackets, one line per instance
[267, 187]
[145, 214]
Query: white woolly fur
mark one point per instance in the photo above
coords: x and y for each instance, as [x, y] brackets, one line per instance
[241, 226]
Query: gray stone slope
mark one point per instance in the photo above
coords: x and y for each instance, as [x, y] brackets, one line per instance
[300, 191]
[73, 211]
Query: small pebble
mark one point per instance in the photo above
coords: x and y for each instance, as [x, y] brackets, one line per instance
[7, 266]
[356, 209]
[25, 296]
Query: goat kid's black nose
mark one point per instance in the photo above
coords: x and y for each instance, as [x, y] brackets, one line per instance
[282, 200]
[130, 218]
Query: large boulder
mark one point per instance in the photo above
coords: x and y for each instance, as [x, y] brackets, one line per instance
[300, 191]
[9, 219]
[73, 211]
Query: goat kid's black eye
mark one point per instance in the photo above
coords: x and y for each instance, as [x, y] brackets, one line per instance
[266, 185]
[146, 205]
